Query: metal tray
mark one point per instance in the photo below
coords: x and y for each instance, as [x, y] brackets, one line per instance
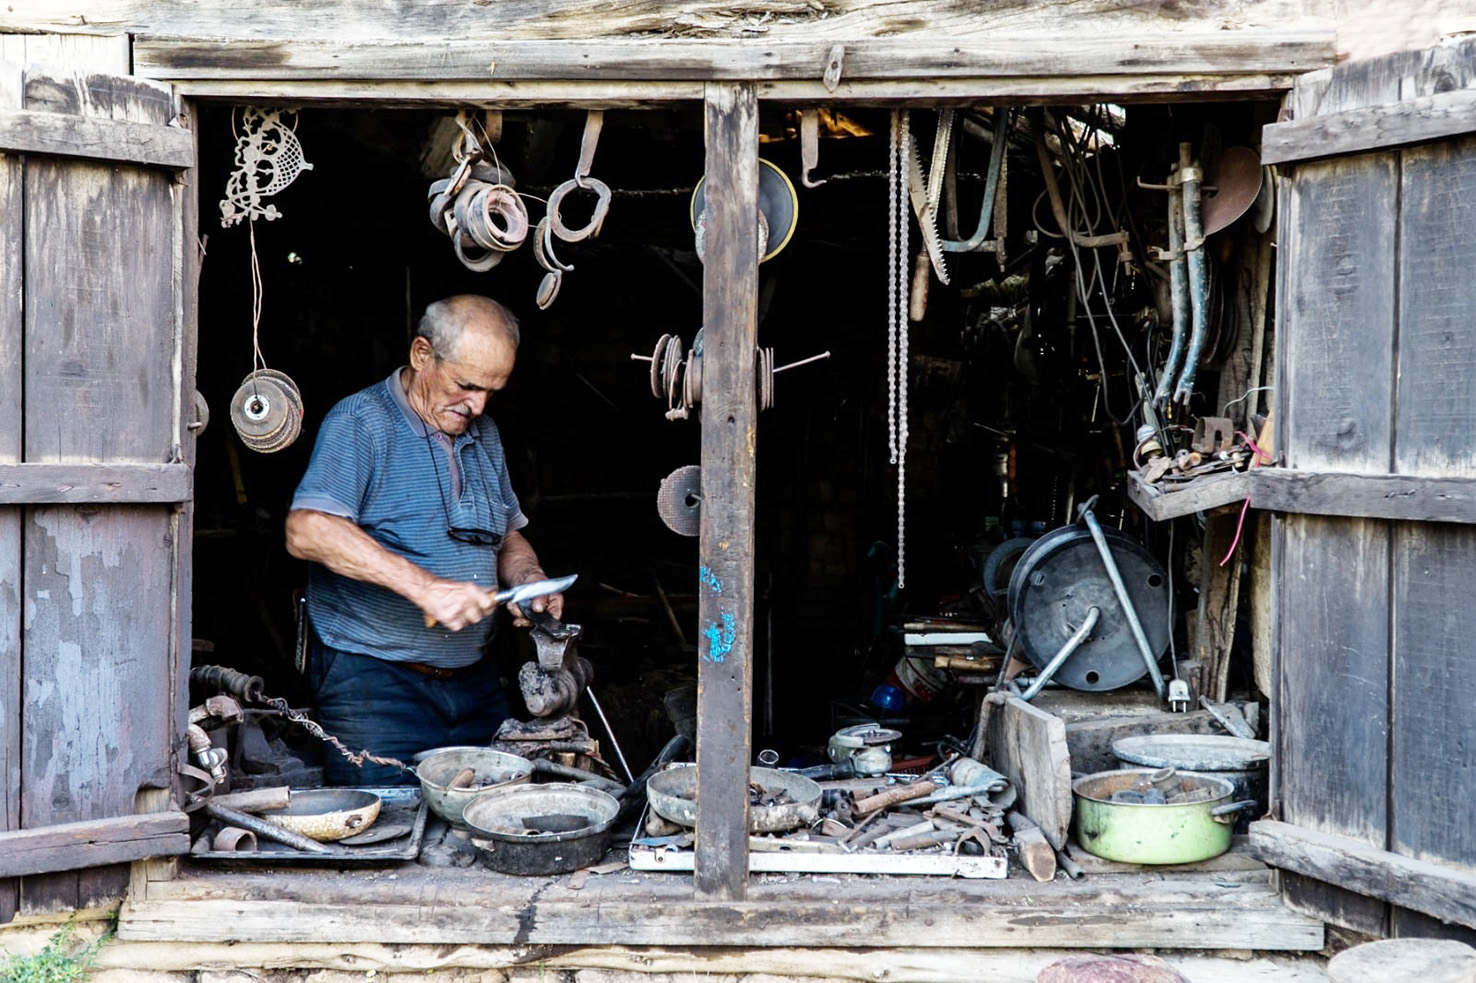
[401, 803]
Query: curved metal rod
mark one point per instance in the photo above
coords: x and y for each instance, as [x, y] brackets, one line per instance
[1178, 292]
[1072, 644]
[976, 241]
[1114, 575]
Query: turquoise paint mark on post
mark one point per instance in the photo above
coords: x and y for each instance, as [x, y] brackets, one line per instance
[710, 580]
[720, 640]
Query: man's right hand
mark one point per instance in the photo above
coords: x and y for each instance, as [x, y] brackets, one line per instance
[455, 604]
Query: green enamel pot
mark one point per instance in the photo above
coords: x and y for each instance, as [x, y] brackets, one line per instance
[1143, 833]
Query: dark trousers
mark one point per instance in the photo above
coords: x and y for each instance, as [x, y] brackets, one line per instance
[395, 712]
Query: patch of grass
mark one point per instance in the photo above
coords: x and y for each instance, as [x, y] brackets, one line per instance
[64, 959]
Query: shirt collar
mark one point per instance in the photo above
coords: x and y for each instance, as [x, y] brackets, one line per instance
[397, 394]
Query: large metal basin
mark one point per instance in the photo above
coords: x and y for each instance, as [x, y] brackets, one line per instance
[673, 797]
[490, 769]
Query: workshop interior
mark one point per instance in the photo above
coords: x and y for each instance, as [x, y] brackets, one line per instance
[987, 336]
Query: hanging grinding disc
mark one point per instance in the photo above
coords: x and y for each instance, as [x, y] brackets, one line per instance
[778, 208]
[1263, 212]
[267, 411]
[679, 502]
[1236, 178]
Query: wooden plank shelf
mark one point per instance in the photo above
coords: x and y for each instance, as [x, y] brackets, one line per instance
[1200, 495]
[474, 906]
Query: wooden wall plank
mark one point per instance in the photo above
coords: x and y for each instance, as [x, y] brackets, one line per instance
[840, 20]
[1242, 52]
[100, 326]
[1433, 769]
[1339, 317]
[55, 484]
[70, 136]
[12, 340]
[729, 474]
[1374, 496]
[1333, 659]
[66, 846]
[1375, 128]
[1415, 884]
[1436, 408]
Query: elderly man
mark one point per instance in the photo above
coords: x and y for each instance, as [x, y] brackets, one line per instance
[409, 520]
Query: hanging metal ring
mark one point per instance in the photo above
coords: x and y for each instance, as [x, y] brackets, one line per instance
[597, 219]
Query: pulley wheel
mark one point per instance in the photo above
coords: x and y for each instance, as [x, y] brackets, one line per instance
[679, 502]
[1060, 578]
[658, 362]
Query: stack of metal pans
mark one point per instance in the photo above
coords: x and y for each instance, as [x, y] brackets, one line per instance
[267, 411]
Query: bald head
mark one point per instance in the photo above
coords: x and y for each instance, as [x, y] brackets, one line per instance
[446, 321]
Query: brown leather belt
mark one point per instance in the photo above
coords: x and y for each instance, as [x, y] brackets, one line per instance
[438, 672]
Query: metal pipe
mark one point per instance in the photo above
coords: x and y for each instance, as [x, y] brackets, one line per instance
[1198, 273]
[1178, 292]
[266, 830]
[1114, 575]
[1072, 644]
[600, 711]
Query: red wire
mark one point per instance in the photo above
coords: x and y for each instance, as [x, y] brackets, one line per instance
[1240, 524]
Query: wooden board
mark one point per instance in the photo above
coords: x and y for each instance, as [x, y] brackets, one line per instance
[1436, 406]
[1338, 322]
[1433, 764]
[102, 262]
[1376, 496]
[1238, 52]
[1333, 657]
[67, 846]
[54, 484]
[12, 343]
[1028, 746]
[69, 135]
[1431, 888]
[729, 474]
[1168, 501]
[758, 20]
[1373, 128]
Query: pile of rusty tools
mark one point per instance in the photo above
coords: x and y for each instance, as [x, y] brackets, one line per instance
[1215, 448]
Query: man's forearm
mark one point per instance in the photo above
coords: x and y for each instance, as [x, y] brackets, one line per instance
[344, 548]
[516, 561]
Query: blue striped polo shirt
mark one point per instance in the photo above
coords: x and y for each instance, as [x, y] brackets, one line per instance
[376, 464]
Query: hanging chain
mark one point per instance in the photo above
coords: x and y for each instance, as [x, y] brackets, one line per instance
[898, 288]
[893, 187]
[301, 718]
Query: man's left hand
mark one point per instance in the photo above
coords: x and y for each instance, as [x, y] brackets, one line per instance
[552, 603]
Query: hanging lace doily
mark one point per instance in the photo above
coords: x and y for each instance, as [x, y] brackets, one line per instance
[268, 158]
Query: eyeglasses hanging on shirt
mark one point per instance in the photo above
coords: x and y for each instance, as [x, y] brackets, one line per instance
[470, 534]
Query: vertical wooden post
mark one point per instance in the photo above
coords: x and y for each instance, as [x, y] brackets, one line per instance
[729, 422]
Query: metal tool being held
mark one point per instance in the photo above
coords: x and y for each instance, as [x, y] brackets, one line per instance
[525, 592]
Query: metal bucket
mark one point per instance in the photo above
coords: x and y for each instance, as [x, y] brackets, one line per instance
[1239, 760]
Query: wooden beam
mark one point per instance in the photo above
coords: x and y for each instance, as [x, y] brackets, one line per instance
[1241, 52]
[63, 135]
[1434, 889]
[1373, 496]
[70, 846]
[726, 544]
[1221, 922]
[60, 484]
[963, 91]
[1416, 120]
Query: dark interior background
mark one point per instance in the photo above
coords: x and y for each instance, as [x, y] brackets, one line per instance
[353, 261]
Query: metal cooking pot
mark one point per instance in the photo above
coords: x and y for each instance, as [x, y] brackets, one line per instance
[490, 769]
[1141, 833]
[673, 797]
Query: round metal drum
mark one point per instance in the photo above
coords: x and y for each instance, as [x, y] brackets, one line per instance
[1060, 578]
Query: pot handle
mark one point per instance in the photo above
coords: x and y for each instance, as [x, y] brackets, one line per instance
[1226, 813]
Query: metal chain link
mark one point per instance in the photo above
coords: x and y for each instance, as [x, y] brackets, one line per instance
[301, 718]
[900, 276]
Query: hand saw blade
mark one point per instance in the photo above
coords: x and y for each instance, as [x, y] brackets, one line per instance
[922, 207]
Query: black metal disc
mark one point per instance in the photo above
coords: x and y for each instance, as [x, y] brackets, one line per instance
[1060, 578]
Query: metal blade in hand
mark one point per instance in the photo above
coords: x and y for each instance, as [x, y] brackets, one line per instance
[538, 588]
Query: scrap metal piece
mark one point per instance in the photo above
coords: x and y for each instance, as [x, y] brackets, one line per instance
[924, 198]
[809, 127]
[679, 500]
[1236, 180]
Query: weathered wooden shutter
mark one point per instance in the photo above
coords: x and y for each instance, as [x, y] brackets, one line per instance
[1375, 550]
[96, 362]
